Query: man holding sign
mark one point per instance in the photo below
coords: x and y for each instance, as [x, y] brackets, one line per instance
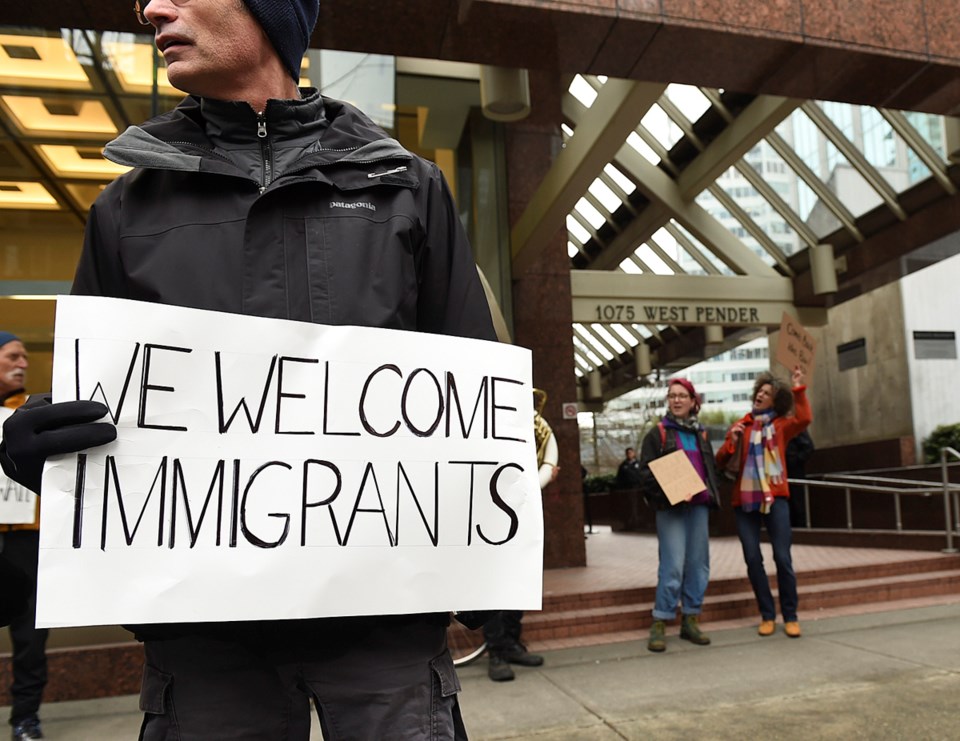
[19, 538]
[680, 482]
[258, 197]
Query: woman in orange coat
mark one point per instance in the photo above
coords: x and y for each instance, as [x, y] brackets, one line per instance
[761, 494]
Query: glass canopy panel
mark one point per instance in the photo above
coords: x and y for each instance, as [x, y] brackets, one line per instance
[691, 102]
[644, 149]
[625, 184]
[590, 213]
[831, 167]
[930, 127]
[610, 200]
[625, 337]
[582, 91]
[689, 243]
[586, 349]
[608, 337]
[650, 258]
[575, 228]
[629, 266]
[661, 127]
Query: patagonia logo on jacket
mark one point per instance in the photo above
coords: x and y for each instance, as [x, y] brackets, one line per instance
[353, 205]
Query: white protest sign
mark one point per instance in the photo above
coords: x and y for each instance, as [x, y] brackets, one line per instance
[269, 469]
[18, 505]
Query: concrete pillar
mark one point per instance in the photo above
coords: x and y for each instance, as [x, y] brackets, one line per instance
[822, 269]
[543, 318]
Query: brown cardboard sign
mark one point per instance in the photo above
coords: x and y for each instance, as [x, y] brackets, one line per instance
[677, 476]
[795, 346]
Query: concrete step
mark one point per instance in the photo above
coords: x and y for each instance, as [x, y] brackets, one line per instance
[625, 610]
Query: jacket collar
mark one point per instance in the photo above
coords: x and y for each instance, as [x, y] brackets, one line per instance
[178, 139]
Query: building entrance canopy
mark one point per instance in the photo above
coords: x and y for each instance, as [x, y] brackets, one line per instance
[695, 214]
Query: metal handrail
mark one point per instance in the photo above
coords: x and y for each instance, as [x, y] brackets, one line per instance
[849, 482]
[905, 482]
[823, 483]
[951, 525]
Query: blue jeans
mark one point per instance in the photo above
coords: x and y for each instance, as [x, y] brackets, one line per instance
[683, 536]
[777, 522]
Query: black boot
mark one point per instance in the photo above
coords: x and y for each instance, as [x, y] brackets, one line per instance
[499, 670]
[519, 655]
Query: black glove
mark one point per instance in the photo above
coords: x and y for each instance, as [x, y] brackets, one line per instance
[40, 429]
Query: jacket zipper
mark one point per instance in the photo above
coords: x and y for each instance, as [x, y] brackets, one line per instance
[265, 152]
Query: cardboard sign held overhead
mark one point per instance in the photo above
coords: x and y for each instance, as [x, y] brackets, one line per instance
[677, 476]
[796, 346]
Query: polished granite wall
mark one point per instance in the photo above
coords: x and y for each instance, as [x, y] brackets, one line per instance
[894, 53]
[543, 317]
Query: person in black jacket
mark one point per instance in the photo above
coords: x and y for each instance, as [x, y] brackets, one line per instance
[798, 452]
[255, 196]
[683, 534]
[628, 473]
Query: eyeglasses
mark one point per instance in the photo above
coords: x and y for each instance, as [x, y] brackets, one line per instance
[141, 5]
[677, 397]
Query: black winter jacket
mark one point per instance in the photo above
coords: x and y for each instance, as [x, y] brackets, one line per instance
[353, 229]
[651, 449]
[308, 212]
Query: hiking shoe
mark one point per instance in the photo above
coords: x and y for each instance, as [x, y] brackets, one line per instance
[767, 627]
[658, 637]
[499, 670]
[792, 629]
[520, 656]
[690, 631]
[27, 730]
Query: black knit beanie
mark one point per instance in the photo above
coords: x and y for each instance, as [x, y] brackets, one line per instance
[288, 24]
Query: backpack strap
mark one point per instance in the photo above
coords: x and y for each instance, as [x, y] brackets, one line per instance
[663, 434]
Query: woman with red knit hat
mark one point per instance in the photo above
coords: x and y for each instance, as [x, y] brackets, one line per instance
[682, 529]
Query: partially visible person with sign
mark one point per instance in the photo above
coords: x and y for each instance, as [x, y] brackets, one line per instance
[19, 538]
[761, 493]
[256, 196]
[503, 631]
[683, 510]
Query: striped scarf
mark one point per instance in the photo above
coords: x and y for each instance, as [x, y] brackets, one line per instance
[762, 465]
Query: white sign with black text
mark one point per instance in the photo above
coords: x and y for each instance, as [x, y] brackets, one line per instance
[270, 469]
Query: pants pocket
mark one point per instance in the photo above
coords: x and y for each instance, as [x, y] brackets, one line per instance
[153, 690]
[445, 721]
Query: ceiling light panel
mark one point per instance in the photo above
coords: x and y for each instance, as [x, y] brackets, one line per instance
[61, 118]
[40, 62]
[79, 162]
[26, 195]
[133, 65]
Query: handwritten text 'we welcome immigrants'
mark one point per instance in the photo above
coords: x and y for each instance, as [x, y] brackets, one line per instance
[390, 454]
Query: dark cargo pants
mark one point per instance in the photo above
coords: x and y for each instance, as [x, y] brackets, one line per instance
[393, 681]
[29, 644]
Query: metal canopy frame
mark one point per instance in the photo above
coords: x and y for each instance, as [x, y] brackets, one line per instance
[641, 203]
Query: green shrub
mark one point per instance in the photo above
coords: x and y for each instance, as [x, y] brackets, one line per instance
[944, 436]
[599, 483]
